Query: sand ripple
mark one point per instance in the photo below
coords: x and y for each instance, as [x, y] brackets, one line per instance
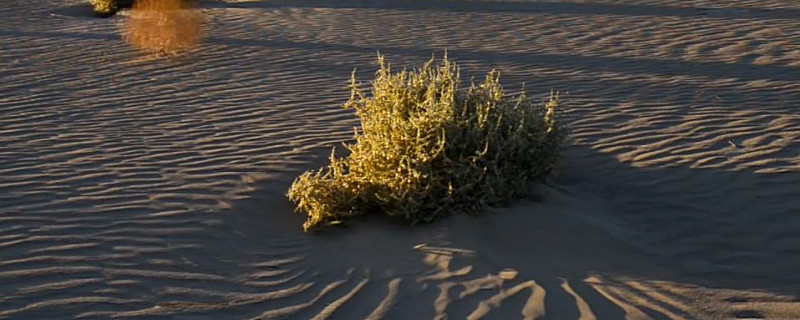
[133, 187]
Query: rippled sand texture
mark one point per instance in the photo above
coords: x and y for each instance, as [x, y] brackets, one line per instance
[142, 188]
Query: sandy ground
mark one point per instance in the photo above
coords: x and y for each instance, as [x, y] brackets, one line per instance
[140, 188]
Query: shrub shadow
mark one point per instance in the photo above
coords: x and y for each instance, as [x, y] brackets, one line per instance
[713, 70]
[582, 8]
[601, 217]
[83, 10]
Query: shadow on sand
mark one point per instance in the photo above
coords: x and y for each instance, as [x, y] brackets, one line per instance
[602, 218]
[713, 70]
[584, 8]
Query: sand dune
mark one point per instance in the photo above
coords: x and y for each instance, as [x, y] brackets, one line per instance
[149, 188]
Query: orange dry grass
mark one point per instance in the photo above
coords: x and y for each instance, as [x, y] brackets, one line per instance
[163, 26]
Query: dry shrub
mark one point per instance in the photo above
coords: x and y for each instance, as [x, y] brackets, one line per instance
[107, 8]
[428, 147]
[163, 26]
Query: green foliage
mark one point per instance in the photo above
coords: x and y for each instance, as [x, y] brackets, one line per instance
[427, 148]
[107, 8]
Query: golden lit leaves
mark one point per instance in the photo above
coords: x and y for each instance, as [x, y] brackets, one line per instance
[427, 148]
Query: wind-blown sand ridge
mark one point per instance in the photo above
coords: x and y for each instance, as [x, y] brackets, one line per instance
[142, 188]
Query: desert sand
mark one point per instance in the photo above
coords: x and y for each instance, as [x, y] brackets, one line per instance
[134, 187]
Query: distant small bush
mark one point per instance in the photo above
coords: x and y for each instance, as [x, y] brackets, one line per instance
[427, 148]
[107, 8]
[163, 26]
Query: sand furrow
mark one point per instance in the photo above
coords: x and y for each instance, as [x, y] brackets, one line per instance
[140, 187]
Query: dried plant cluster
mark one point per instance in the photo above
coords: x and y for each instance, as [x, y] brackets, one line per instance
[428, 147]
[107, 8]
[163, 26]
